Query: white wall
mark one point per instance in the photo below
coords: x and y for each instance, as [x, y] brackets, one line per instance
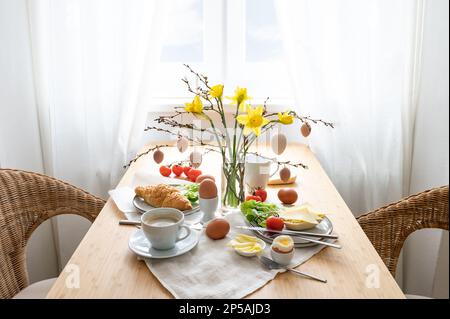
[431, 154]
[19, 131]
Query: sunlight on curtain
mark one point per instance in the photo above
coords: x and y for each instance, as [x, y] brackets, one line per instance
[354, 62]
[93, 63]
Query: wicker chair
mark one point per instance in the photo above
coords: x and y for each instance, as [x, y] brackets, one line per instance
[26, 200]
[389, 226]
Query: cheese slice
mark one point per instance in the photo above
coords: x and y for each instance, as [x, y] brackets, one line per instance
[299, 214]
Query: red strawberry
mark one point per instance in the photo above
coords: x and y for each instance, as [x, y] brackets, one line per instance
[165, 171]
[177, 170]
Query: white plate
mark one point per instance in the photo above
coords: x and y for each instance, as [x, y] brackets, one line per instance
[143, 207]
[139, 244]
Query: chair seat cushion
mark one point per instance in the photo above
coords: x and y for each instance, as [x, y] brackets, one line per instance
[37, 290]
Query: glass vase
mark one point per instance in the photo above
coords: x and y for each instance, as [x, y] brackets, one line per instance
[232, 185]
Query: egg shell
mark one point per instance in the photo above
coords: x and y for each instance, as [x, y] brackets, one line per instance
[217, 228]
[158, 156]
[285, 174]
[279, 142]
[203, 177]
[305, 129]
[207, 189]
[283, 244]
[287, 195]
[195, 159]
[182, 144]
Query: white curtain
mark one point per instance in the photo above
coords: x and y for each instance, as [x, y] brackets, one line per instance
[354, 62]
[93, 65]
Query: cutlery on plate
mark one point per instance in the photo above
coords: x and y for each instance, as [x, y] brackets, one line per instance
[269, 263]
[289, 232]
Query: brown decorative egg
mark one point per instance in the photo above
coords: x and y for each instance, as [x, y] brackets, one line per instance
[203, 177]
[207, 189]
[182, 144]
[305, 129]
[158, 156]
[285, 174]
[279, 142]
[195, 159]
[287, 196]
[217, 228]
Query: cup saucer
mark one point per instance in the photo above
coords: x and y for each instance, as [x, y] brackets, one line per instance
[140, 245]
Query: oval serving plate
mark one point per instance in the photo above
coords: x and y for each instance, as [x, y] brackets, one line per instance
[143, 207]
[324, 227]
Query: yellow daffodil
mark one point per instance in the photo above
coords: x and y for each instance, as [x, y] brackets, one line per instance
[240, 96]
[253, 120]
[216, 91]
[195, 107]
[285, 118]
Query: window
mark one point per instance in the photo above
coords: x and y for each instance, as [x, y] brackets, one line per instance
[235, 42]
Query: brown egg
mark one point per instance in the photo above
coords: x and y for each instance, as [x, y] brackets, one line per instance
[279, 142]
[217, 228]
[287, 195]
[158, 156]
[207, 189]
[182, 144]
[285, 174]
[203, 177]
[195, 159]
[305, 129]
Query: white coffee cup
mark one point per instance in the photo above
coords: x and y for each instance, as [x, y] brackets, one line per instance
[257, 171]
[162, 227]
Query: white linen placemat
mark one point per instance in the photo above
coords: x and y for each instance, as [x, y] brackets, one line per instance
[212, 270]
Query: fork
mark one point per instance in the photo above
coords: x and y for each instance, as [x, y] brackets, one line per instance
[269, 263]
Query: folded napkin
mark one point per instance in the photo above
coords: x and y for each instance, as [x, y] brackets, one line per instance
[213, 270]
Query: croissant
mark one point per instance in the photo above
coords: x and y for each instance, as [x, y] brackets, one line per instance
[162, 195]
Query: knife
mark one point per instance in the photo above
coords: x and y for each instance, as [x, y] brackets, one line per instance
[289, 232]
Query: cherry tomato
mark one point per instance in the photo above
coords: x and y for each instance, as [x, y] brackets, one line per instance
[186, 170]
[193, 174]
[274, 223]
[253, 197]
[165, 171]
[177, 169]
[261, 193]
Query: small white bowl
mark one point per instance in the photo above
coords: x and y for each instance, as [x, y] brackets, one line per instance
[252, 254]
[282, 258]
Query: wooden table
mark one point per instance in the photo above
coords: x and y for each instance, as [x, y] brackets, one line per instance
[108, 269]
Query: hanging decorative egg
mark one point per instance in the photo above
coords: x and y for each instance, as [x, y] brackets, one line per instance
[158, 156]
[182, 144]
[285, 174]
[305, 129]
[195, 159]
[279, 142]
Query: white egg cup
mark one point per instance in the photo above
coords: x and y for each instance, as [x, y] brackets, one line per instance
[208, 207]
[282, 258]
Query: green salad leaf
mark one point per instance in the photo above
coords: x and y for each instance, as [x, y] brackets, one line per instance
[258, 212]
[190, 191]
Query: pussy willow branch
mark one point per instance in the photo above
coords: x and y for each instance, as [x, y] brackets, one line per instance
[289, 163]
[201, 77]
[304, 119]
[198, 142]
[145, 153]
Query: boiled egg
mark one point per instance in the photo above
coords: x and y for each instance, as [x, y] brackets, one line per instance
[283, 244]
